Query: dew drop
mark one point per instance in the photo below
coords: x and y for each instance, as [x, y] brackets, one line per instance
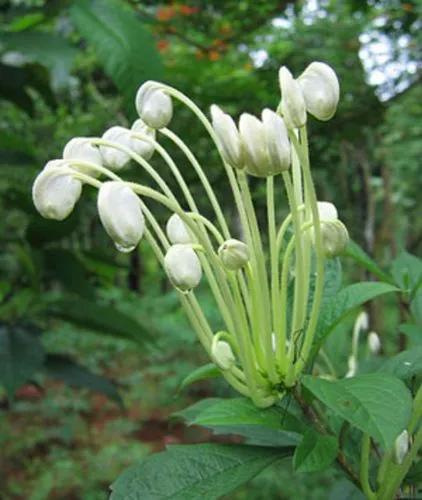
[125, 249]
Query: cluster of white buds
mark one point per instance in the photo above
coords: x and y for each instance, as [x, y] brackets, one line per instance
[259, 352]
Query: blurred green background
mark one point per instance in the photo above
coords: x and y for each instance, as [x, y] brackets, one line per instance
[93, 345]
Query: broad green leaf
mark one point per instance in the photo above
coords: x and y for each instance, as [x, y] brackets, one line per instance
[335, 309]
[21, 355]
[315, 452]
[377, 403]
[204, 372]
[63, 368]
[202, 471]
[357, 253]
[407, 271]
[345, 490]
[103, 319]
[46, 49]
[265, 427]
[414, 332]
[404, 365]
[122, 42]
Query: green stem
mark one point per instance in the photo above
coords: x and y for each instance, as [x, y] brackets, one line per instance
[364, 467]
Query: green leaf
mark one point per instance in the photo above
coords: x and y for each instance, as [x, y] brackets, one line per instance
[103, 319]
[21, 355]
[204, 372]
[63, 368]
[205, 471]
[407, 271]
[122, 42]
[315, 452]
[359, 255]
[335, 309]
[414, 332]
[265, 427]
[46, 49]
[404, 365]
[377, 403]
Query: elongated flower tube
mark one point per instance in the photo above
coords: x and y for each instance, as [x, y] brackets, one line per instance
[80, 148]
[55, 191]
[177, 232]
[115, 158]
[228, 137]
[183, 267]
[401, 447]
[142, 147]
[154, 106]
[234, 254]
[222, 354]
[120, 212]
[321, 90]
[293, 105]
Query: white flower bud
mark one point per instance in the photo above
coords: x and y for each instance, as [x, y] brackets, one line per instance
[177, 231]
[183, 267]
[222, 354]
[234, 254]
[374, 342]
[120, 212]
[401, 447]
[293, 105]
[277, 141]
[334, 237]
[80, 148]
[254, 145]
[327, 211]
[228, 137]
[361, 322]
[352, 367]
[115, 158]
[320, 89]
[154, 106]
[142, 147]
[55, 191]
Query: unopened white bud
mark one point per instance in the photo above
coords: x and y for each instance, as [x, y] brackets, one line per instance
[293, 105]
[321, 90]
[177, 231]
[334, 237]
[327, 211]
[277, 141]
[234, 254]
[113, 157]
[228, 137]
[80, 148]
[253, 143]
[352, 366]
[120, 212]
[183, 267]
[374, 342]
[154, 106]
[142, 147]
[401, 447]
[361, 322]
[222, 354]
[55, 191]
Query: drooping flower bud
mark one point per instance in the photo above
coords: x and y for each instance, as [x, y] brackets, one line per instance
[352, 366]
[277, 141]
[401, 447]
[115, 158]
[334, 237]
[142, 147]
[234, 254]
[120, 212]
[293, 105]
[55, 191]
[80, 148]
[321, 90]
[361, 322]
[177, 231]
[222, 354]
[153, 105]
[374, 342]
[183, 267]
[228, 137]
